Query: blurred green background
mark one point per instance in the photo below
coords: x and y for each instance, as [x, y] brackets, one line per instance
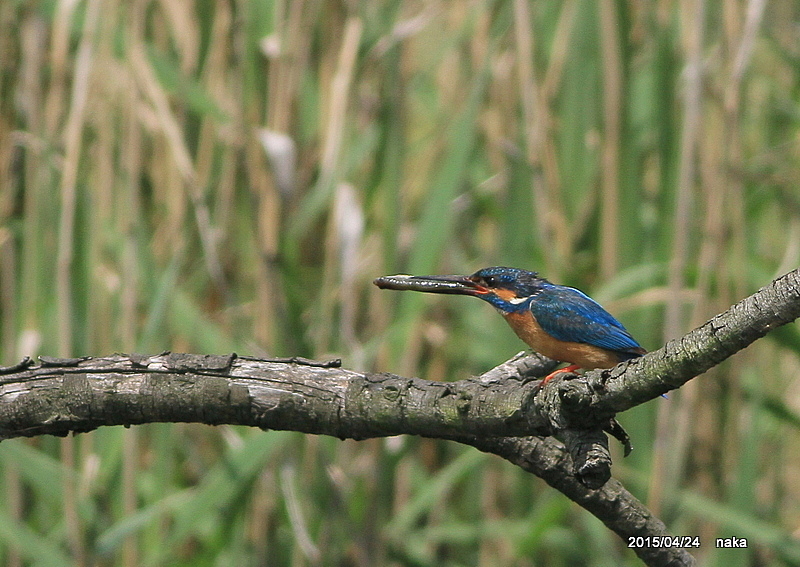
[230, 175]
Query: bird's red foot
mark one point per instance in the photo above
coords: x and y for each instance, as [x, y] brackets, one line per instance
[570, 368]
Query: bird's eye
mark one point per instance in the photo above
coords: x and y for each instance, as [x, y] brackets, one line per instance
[490, 280]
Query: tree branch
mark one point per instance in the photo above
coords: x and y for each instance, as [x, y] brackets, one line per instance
[59, 396]
[63, 395]
[505, 411]
[682, 359]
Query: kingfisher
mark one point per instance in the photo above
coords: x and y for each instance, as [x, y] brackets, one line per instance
[557, 321]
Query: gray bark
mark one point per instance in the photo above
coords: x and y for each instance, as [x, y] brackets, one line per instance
[505, 411]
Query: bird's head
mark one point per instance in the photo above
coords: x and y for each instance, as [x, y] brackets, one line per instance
[507, 289]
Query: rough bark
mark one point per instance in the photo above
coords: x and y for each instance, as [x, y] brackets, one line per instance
[505, 411]
[682, 359]
[59, 396]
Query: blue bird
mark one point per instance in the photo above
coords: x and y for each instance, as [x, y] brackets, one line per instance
[559, 322]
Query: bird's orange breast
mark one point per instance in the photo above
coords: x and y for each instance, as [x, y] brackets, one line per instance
[584, 355]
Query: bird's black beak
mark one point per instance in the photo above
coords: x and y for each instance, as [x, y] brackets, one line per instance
[458, 285]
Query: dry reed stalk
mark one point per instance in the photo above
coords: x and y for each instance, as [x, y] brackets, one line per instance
[672, 424]
[336, 103]
[73, 148]
[612, 126]
[552, 223]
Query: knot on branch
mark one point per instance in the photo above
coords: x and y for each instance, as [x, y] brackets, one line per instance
[591, 460]
[568, 406]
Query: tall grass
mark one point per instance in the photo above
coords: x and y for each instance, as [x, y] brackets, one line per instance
[217, 176]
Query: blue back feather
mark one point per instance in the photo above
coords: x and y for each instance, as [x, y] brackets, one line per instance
[570, 315]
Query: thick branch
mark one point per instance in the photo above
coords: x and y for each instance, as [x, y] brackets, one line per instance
[617, 508]
[59, 396]
[63, 395]
[497, 412]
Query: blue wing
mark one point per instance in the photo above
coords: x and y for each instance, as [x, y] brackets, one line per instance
[570, 315]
